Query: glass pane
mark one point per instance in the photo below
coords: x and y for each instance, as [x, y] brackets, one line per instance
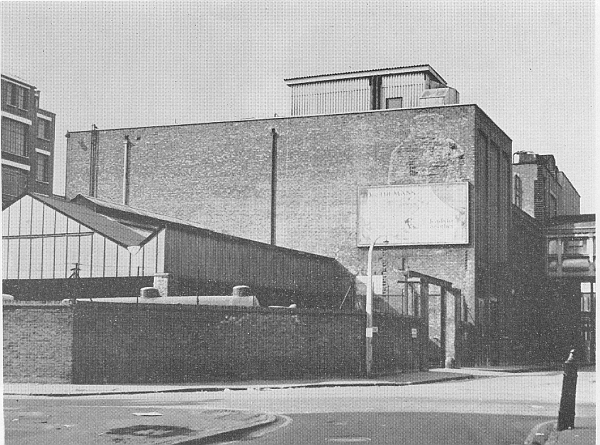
[49, 220]
[13, 259]
[124, 260]
[48, 258]
[110, 257]
[5, 221]
[97, 257]
[15, 219]
[37, 217]
[586, 287]
[60, 258]
[24, 259]
[36, 258]
[72, 254]
[85, 260]
[137, 263]
[61, 223]
[5, 258]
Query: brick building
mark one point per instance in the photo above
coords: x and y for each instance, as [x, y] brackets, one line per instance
[555, 246]
[27, 141]
[540, 189]
[300, 182]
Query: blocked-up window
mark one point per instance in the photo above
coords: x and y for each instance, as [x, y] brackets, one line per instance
[552, 205]
[393, 102]
[14, 139]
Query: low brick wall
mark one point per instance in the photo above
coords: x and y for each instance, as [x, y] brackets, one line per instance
[128, 343]
[174, 344]
[38, 340]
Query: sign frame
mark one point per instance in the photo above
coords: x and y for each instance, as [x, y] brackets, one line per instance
[460, 228]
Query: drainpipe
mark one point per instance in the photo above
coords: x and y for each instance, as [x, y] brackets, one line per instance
[273, 185]
[127, 147]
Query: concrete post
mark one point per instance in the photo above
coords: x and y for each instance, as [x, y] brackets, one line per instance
[161, 282]
[450, 327]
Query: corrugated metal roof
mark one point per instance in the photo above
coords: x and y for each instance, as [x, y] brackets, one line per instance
[81, 200]
[161, 220]
[353, 74]
[113, 230]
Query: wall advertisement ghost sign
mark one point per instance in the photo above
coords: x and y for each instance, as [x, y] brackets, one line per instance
[420, 214]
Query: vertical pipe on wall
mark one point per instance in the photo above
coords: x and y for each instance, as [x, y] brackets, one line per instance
[273, 185]
[93, 189]
[126, 147]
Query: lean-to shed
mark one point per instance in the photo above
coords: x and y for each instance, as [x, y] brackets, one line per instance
[54, 248]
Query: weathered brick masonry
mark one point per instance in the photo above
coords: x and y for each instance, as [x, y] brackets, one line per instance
[38, 342]
[128, 343]
[219, 175]
[151, 343]
[144, 344]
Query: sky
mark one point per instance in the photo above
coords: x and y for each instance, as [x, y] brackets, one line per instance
[529, 65]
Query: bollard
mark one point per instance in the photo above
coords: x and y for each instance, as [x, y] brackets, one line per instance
[566, 412]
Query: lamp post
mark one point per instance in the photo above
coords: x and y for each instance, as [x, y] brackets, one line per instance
[369, 307]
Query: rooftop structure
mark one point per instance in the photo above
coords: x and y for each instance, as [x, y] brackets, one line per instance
[401, 87]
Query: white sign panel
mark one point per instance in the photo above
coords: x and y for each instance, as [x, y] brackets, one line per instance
[423, 214]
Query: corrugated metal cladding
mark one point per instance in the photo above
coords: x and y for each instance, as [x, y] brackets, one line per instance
[201, 256]
[331, 97]
[407, 86]
[349, 95]
[39, 242]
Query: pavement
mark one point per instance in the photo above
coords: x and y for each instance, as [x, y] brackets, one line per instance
[171, 426]
[546, 433]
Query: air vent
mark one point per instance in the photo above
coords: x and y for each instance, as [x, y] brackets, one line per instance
[438, 96]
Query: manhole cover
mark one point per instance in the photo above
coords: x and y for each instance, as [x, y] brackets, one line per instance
[151, 431]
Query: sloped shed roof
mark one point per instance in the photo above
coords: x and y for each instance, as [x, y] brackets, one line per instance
[114, 230]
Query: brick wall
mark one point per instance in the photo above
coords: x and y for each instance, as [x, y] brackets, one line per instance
[169, 344]
[38, 343]
[219, 175]
[526, 308]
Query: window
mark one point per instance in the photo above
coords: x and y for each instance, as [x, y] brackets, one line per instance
[518, 192]
[14, 181]
[553, 247]
[586, 302]
[43, 168]
[575, 246]
[393, 102]
[14, 137]
[18, 96]
[44, 129]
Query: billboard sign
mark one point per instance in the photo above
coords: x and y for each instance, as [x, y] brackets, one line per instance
[418, 214]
